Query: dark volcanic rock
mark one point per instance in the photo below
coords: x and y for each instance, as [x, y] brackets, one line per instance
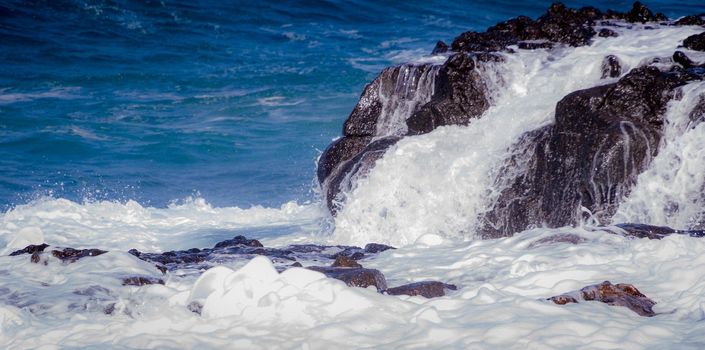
[461, 95]
[695, 42]
[141, 281]
[30, 249]
[340, 151]
[611, 68]
[534, 45]
[70, 255]
[236, 241]
[394, 88]
[375, 248]
[426, 289]
[602, 139]
[344, 261]
[560, 24]
[375, 124]
[621, 294]
[354, 277]
[654, 232]
[693, 20]
[607, 33]
[440, 47]
[682, 59]
[638, 14]
[410, 100]
[558, 238]
[344, 176]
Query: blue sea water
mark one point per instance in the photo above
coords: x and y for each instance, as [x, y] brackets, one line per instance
[156, 101]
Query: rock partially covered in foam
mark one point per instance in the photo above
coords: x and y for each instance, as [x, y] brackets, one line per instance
[692, 20]
[653, 232]
[402, 100]
[603, 138]
[695, 42]
[426, 289]
[620, 294]
[461, 95]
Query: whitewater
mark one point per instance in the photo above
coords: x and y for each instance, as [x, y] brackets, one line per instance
[425, 197]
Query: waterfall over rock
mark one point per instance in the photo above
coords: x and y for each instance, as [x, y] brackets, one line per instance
[551, 122]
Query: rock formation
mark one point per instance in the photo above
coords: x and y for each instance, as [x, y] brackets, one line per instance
[603, 137]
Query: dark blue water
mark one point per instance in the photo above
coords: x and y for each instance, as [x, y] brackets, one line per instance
[159, 100]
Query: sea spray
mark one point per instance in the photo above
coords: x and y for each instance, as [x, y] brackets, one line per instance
[670, 193]
[441, 183]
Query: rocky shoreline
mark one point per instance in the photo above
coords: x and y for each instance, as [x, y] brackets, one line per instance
[343, 263]
[617, 125]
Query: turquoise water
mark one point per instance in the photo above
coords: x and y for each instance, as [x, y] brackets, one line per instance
[156, 101]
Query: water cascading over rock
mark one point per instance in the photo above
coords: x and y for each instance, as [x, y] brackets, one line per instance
[581, 165]
[402, 100]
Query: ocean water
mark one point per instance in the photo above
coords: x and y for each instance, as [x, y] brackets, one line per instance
[171, 125]
[157, 101]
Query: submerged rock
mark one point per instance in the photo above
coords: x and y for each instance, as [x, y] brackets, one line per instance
[426, 289]
[66, 255]
[354, 277]
[70, 255]
[654, 232]
[141, 281]
[374, 248]
[621, 294]
[30, 249]
[344, 261]
[558, 238]
[611, 67]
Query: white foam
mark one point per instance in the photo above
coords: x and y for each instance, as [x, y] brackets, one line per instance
[441, 182]
[401, 100]
[122, 226]
[501, 302]
[670, 193]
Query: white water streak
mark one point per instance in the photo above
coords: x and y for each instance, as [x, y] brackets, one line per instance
[411, 89]
[670, 193]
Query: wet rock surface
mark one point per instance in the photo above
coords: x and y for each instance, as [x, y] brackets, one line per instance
[695, 42]
[343, 177]
[141, 281]
[402, 100]
[66, 255]
[558, 238]
[426, 289]
[654, 232]
[620, 294]
[611, 67]
[460, 96]
[354, 277]
[454, 93]
[338, 262]
[603, 138]
[692, 20]
[30, 249]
